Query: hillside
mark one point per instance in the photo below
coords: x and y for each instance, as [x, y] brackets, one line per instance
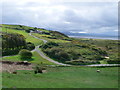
[63, 49]
[60, 61]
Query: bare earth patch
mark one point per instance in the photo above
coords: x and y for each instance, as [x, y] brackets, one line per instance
[12, 67]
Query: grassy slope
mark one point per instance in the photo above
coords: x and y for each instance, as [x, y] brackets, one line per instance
[110, 46]
[0, 77]
[27, 36]
[37, 59]
[112, 53]
[64, 77]
[45, 37]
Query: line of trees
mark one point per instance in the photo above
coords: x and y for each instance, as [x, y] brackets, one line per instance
[12, 43]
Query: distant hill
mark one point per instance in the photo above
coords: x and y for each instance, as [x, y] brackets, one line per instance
[53, 33]
[59, 46]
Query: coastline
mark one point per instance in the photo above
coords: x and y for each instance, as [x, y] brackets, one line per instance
[91, 37]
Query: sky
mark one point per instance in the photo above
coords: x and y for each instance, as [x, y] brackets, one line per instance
[75, 16]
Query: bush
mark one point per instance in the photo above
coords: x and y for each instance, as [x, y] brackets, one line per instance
[63, 56]
[25, 54]
[73, 54]
[57, 53]
[82, 62]
[49, 45]
[113, 61]
[38, 68]
[29, 43]
[10, 52]
[101, 52]
[98, 57]
[30, 46]
[28, 31]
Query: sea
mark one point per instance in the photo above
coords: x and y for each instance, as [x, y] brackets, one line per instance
[96, 37]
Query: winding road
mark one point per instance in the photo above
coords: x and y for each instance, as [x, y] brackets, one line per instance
[42, 54]
[98, 65]
[51, 60]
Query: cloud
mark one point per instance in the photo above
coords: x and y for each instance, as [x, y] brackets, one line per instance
[62, 15]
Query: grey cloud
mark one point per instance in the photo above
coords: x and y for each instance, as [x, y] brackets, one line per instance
[89, 17]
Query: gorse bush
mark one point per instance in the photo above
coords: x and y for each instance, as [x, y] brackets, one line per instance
[25, 54]
[30, 46]
[49, 45]
[28, 31]
[63, 56]
[38, 68]
[113, 61]
[74, 50]
[57, 53]
[82, 62]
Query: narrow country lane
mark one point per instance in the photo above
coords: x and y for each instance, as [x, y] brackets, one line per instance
[103, 65]
[49, 59]
[42, 54]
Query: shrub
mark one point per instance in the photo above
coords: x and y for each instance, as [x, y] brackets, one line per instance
[97, 57]
[57, 53]
[38, 68]
[52, 50]
[73, 54]
[0, 51]
[28, 31]
[30, 46]
[63, 56]
[82, 62]
[113, 61]
[49, 45]
[29, 43]
[25, 54]
[10, 52]
[101, 52]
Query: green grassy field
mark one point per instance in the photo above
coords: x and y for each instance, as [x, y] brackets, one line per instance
[26, 35]
[0, 80]
[64, 77]
[36, 59]
[53, 40]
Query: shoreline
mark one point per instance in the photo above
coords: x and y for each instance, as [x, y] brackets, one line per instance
[90, 37]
